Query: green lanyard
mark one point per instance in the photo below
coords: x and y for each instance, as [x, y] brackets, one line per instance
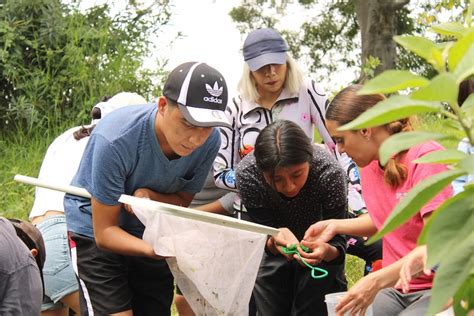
[293, 250]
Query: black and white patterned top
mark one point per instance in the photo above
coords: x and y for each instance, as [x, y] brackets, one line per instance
[324, 196]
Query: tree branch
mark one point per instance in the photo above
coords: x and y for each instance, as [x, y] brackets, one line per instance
[398, 4]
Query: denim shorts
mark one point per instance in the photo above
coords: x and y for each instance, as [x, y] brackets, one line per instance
[59, 277]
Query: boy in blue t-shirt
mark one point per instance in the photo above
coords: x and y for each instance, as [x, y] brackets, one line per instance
[162, 152]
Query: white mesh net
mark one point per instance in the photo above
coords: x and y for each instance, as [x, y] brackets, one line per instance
[214, 266]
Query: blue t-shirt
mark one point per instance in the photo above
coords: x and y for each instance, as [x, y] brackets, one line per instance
[123, 154]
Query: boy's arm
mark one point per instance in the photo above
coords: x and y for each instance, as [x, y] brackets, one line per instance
[109, 236]
[178, 198]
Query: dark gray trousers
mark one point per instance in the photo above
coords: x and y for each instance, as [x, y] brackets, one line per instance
[390, 302]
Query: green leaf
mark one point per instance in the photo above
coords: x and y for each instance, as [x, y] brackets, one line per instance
[459, 49]
[423, 48]
[464, 298]
[452, 222]
[452, 273]
[450, 29]
[465, 68]
[393, 80]
[467, 164]
[401, 141]
[422, 238]
[391, 109]
[469, 102]
[442, 156]
[453, 125]
[414, 200]
[443, 88]
[468, 15]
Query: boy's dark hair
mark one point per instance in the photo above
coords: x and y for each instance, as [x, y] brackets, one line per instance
[33, 239]
[282, 144]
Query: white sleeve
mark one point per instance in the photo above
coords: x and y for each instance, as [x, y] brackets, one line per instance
[318, 103]
[228, 155]
[354, 195]
[458, 184]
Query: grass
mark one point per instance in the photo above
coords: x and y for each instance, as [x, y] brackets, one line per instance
[354, 269]
[19, 155]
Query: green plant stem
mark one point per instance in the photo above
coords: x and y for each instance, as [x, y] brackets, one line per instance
[459, 116]
[450, 115]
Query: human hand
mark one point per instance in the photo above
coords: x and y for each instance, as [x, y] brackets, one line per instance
[317, 251]
[143, 193]
[140, 193]
[150, 253]
[323, 230]
[285, 238]
[359, 297]
[414, 264]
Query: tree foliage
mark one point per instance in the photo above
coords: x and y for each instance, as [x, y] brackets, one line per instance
[57, 61]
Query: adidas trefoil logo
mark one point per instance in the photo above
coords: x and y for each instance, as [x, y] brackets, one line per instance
[214, 91]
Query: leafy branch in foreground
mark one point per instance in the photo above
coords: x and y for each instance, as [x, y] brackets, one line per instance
[449, 232]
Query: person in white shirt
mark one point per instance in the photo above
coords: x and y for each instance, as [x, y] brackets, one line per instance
[59, 166]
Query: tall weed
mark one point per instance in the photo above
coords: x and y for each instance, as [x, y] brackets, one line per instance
[20, 155]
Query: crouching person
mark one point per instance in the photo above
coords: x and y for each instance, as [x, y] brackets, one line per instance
[289, 183]
[22, 256]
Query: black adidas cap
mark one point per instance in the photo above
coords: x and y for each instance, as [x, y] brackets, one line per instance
[200, 92]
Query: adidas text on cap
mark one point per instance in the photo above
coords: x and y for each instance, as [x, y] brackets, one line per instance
[264, 47]
[200, 92]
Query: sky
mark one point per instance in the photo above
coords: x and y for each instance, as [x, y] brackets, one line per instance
[209, 35]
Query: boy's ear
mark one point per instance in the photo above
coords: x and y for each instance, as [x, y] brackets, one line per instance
[34, 252]
[162, 105]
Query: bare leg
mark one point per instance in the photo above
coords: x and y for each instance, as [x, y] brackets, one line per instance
[72, 300]
[56, 312]
[182, 306]
[125, 313]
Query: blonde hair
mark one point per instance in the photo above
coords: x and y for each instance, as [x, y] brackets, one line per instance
[247, 86]
[347, 105]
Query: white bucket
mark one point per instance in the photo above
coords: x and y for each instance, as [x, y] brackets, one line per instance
[333, 299]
